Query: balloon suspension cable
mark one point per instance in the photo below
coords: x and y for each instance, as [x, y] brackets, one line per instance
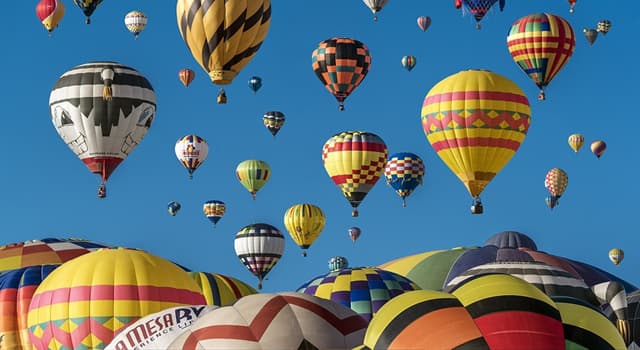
[135, 36]
[304, 253]
[478, 26]
[354, 213]
[253, 196]
[50, 33]
[541, 95]
[88, 20]
[404, 203]
[341, 106]
[190, 176]
[375, 18]
[260, 284]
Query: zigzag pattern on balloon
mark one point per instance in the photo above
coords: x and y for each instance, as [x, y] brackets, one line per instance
[490, 119]
[78, 330]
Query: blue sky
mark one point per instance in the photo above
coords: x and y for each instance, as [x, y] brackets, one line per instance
[48, 192]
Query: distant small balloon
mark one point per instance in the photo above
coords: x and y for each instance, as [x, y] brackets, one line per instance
[186, 76]
[604, 26]
[354, 233]
[173, 207]
[616, 255]
[424, 22]
[598, 147]
[135, 22]
[255, 83]
[575, 142]
[408, 62]
[591, 35]
[338, 263]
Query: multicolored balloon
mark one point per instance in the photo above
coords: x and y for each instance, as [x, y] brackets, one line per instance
[341, 64]
[604, 26]
[87, 7]
[338, 263]
[354, 160]
[102, 111]
[576, 141]
[304, 223]
[404, 172]
[186, 76]
[273, 121]
[253, 174]
[556, 182]
[424, 22]
[455, 118]
[214, 210]
[591, 35]
[375, 6]
[173, 207]
[135, 21]
[541, 30]
[598, 147]
[478, 8]
[259, 248]
[191, 151]
[363, 289]
[85, 302]
[244, 23]
[50, 13]
[354, 233]
[284, 320]
[255, 83]
[616, 255]
[408, 62]
[221, 290]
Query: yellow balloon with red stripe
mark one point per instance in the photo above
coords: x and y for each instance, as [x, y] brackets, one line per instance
[84, 303]
[475, 120]
[304, 223]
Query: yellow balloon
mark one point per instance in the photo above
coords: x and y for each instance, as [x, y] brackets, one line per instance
[576, 141]
[304, 223]
[616, 255]
[253, 174]
[223, 36]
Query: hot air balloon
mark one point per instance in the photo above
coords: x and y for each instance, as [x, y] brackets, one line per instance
[556, 182]
[541, 30]
[253, 174]
[102, 110]
[408, 62]
[591, 35]
[375, 6]
[363, 289]
[616, 255]
[575, 142]
[475, 120]
[77, 304]
[244, 23]
[50, 13]
[354, 233]
[341, 64]
[604, 26]
[186, 76]
[191, 150]
[424, 22]
[478, 8]
[255, 83]
[87, 7]
[283, 320]
[572, 4]
[338, 263]
[158, 330]
[135, 21]
[221, 290]
[354, 160]
[404, 172]
[259, 247]
[214, 210]
[173, 207]
[304, 223]
[598, 147]
[273, 121]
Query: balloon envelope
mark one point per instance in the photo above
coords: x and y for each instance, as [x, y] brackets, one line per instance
[305, 223]
[186, 76]
[576, 141]
[253, 174]
[259, 248]
[50, 13]
[424, 22]
[191, 151]
[135, 21]
[598, 147]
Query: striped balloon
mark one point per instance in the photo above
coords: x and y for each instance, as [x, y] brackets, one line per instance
[541, 44]
[259, 248]
[44, 251]
[275, 321]
[408, 62]
[273, 121]
[16, 291]
[363, 289]
[191, 151]
[223, 36]
[102, 111]
[354, 160]
[475, 120]
[214, 210]
[186, 76]
[50, 13]
[404, 172]
[587, 328]
[253, 174]
[305, 223]
[341, 64]
[575, 142]
[85, 302]
[135, 21]
[221, 290]
[598, 147]
[424, 22]
[375, 6]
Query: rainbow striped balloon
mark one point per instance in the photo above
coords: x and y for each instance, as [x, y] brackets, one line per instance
[85, 302]
[476, 120]
[541, 44]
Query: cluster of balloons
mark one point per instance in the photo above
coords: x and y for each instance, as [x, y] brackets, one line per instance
[592, 34]
[576, 141]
